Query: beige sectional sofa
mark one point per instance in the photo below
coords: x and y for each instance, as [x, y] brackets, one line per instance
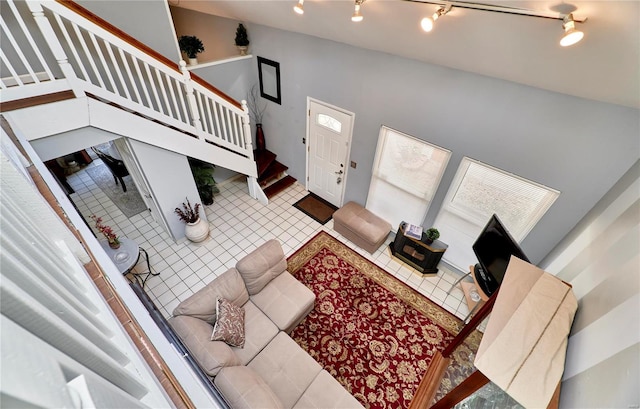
[270, 370]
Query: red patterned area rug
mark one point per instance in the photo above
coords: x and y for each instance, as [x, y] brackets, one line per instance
[372, 332]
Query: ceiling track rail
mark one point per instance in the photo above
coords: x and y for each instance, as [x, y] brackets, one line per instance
[500, 9]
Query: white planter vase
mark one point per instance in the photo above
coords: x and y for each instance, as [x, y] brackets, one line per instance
[197, 231]
[242, 49]
[193, 61]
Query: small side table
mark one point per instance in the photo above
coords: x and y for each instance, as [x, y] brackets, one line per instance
[419, 254]
[473, 295]
[127, 256]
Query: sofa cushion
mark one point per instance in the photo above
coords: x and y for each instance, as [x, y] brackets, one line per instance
[244, 389]
[262, 265]
[286, 368]
[326, 392]
[229, 326]
[202, 304]
[259, 330]
[285, 300]
[195, 333]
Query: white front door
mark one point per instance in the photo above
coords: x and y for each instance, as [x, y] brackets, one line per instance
[329, 132]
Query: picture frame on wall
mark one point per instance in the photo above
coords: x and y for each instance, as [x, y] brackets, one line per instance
[269, 74]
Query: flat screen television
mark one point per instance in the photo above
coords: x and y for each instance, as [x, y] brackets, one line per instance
[493, 248]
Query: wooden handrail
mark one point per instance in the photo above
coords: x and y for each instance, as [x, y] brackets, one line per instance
[78, 9]
[215, 90]
[477, 318]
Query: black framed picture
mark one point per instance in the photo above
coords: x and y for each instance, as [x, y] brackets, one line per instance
[269, 73]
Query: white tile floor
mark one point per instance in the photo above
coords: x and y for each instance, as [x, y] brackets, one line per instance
[239, 224]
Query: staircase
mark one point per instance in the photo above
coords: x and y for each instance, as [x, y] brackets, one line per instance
[271, 173]
[111, 81]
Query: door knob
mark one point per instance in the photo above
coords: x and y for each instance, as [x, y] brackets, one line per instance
[340, 172]
[338, 180]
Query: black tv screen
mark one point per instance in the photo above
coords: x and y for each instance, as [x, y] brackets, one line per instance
[494, 248]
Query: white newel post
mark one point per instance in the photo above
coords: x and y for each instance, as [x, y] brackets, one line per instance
[191, 100]
[246, 129]
[56, 48]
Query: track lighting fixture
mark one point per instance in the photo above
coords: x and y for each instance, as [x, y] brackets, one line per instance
[356, 17]
[427, 22]
[356, 12]
[571, 35]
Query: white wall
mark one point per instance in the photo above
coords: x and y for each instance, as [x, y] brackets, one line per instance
[577, 146]
[170, 180]
[148, 21]
[601, 259]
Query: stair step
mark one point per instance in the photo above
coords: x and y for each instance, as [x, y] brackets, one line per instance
[273, 171]
[279, 186]
[263, 160]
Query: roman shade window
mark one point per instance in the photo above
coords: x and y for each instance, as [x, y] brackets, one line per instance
[406, 175]
[476, 193]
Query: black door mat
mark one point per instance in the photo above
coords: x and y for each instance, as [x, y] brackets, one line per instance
[316, 207]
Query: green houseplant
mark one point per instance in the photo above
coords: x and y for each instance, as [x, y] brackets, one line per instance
[203, 176]
[242, 39]
[432, 234]
[192, 46]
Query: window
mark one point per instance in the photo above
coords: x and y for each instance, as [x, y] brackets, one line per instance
[329, 122]
[477, 192]
[406, 174]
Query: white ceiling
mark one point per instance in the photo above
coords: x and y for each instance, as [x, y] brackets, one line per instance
[604, 66]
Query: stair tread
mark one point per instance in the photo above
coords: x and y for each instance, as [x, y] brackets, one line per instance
[263, 160]
[279, 186]
[274, 169]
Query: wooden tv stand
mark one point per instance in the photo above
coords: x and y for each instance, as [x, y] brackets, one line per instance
[418, 254]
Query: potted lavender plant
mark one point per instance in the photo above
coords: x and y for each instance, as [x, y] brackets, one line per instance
[196, 229]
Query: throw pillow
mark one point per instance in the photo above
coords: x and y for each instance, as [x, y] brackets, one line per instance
[229, 326]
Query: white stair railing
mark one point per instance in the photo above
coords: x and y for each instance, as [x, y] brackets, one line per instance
[25, 72]
[98, 59]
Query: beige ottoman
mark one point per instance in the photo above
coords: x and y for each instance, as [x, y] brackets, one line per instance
[360, 226]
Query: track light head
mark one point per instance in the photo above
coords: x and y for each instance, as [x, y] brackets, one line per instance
[298, 8]
[571, 34]
[357, 17]
[427, 22]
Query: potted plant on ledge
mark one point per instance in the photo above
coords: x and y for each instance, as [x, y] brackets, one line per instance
[196, 230]
[242, 39]
[192, 46]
